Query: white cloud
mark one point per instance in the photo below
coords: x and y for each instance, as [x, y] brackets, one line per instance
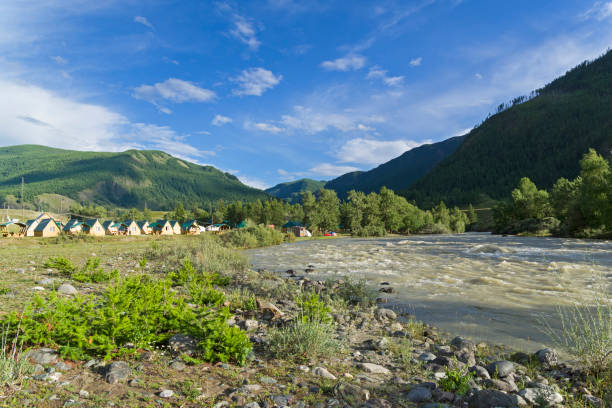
[364, 128]
[60, 60]
[368, 151]
[267, 127]
[253, 182]
[478, 76]
[220, 120]
[255, 81]
[313, 122]
[600, 11]
[331, 170]
[143, 20]
[416, 62]
[347, 63]
[34, 115]
[245, 32]
[174, 90]
[378, 73]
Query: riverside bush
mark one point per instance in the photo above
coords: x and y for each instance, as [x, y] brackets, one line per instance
[456, 381]
[252, 237]
[91, 272]
[357, 293]
[303, 340]
[132, 314]
[313, 308]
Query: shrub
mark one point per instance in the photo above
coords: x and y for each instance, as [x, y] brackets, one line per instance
[303, 340]
[313, 308]
[374, 230]
[133, 313]
[63, 265]
[253, 237]
[242, 299]
[91, 272]
[436, 228]
[456, 381]
[357, 293]
[13, 363]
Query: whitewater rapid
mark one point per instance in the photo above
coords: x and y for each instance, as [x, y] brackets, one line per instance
[486, 287]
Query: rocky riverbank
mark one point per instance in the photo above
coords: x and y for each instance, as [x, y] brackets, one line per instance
[382, 360]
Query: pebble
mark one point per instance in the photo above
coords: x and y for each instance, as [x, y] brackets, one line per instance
[322, 372]
[177, 365]
[547, 356]
[304, 368]
[67, 289]
[166, 393]
[117, 371]
[46, 281]
[38, 288]
[373, 368]
[84, 393]
[427, 357]
[267, 380]
[386, 314]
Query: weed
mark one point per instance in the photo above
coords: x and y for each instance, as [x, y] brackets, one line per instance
[357, 293]
[13, 363]
[303, 340]
[4, 290]
[456, 381]
[313, 309]
[63, 265]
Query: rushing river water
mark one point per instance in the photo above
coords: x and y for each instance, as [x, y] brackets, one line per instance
[478, 285]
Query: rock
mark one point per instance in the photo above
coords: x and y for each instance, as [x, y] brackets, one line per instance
[20, 270]
[387, 289]
[461, 343]
[281, 400]
[270, 312]
[304, 368]
[480, 372]
[443, 396]
[249, 324]
[466, 356]
[60, 365]
[183, 344]
[385, 314]
[500, 368]
[382, 344]
[451, 363]
[548, 357]
[427, 357]
[252, 388]
[46, 281]
[493, 398]
[166, 393]
[66, 289]
[117, 371]
[594, 401]
[177, 365]
[221, 404]
[507, 386]
[537, 396]
[42, 356]
[419, 394]
[267, 380]
[322, 372]
[373, 368]
[251, 405]
[351, 394]
[90, 363]
[38, 288]
[84, 394]
[436, 405]
[377, 403]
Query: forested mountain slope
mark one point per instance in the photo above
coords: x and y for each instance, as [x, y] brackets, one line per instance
[126, 179]
[292, 190]
[399, 173]
[542, 138]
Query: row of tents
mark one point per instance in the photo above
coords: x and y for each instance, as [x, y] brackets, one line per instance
[46, 226]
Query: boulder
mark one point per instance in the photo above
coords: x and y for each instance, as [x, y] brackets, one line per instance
[351, 394]
[506, 386]
[461, 343]
[385, 314]
[183, 344]
[427, 357]
[419, 394]
[480, 372]
[547, 357]
[117, 371]
[377, 403]
[493, 398]
[322, 372]
[501, 368]
[43, 356]
[373, 368]
[537, 396]
[67, 289]
[166, 393]
[269, 310]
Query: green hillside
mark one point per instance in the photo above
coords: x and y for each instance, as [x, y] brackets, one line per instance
[292, 190]
[126, 179]
[542, 138]
[399, 173]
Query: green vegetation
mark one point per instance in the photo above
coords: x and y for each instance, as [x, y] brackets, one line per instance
[127, 179]
[292, 190]
[90, 272]
[541, 137]
[357, 293]
[456, 381]
[581, 207]
[13, 362]
[252, 237]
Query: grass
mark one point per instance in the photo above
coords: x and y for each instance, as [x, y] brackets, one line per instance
[303, 340]
[13, 362]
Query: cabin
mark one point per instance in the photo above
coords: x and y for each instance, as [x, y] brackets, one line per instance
[129, 227]
[190, 228]
[32, 224]
[73, 227]
[176, 227]
[13, 228]
[218, 228]
[296, 229]
[93, 227]
[144, 227]
[111, 227]
[162, 227]
[48, 228]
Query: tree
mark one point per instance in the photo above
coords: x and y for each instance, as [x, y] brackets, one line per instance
[529, 202]
[472, 217]
[595, 194]
[309, 203]
[327, 210]
[390, 209]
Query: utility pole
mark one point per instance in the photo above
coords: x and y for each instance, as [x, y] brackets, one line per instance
[22, 214]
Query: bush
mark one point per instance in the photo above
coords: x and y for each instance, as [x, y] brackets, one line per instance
[253, 237]
[303, 340]
[91, 272]
[132, 314]
[370, 231]
[456, 381]
[357, 293]
[436, 228]
[313, 309]
[63, 265]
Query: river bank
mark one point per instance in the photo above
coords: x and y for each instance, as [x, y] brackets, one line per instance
[339, 348]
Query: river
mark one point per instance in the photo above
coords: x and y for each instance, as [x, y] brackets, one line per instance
[486, 287]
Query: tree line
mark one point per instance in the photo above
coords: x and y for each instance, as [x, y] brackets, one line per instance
[581, 207]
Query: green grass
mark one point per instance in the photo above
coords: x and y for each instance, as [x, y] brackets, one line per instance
[303, 340]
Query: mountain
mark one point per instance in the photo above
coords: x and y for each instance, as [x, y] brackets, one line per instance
[399, 173]
[126, 179]
[292, 190]
[541, 137]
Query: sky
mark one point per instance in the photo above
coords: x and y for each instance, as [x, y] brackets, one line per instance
[276, 90]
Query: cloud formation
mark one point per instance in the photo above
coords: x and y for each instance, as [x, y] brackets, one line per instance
[173, 90]
[34, 115]
[331, 170]
[347, 63]
[220, 120]
[255, 81]
[373, 152]
[245, 32]
[143, 20]
[600, 11]
[378, 73]
[416, 62]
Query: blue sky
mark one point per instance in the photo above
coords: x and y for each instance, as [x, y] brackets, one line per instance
[275, 90]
